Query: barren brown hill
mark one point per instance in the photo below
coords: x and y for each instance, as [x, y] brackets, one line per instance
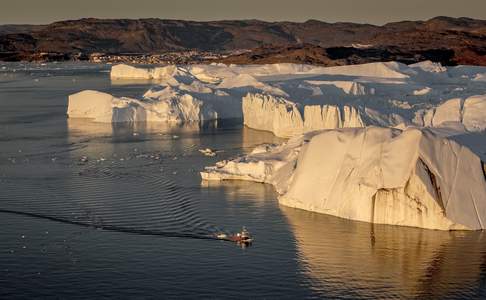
[463, 39]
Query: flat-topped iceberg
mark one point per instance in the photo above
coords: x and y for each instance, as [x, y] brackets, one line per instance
[286, 118]
[379, 175]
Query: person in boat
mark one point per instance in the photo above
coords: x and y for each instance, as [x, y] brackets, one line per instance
[241, 237]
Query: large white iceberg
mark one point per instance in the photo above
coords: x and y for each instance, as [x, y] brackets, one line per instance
[171, 106]
[291, 99]
[379, 175]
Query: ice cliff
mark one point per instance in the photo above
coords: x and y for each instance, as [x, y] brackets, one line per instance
[285, 118]
[469, 112]
[380, 175]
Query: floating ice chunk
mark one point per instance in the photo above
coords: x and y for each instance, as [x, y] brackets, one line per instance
[480, 77]
[207, 152]
[400, 104]
[421, 92]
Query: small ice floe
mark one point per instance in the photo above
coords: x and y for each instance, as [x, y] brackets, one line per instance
[83, 159]
[135, 134]
[207, 152]
[423, 91]
[175, 137]
[54, 159]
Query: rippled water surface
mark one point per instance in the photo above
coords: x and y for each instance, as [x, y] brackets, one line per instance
[133, 220]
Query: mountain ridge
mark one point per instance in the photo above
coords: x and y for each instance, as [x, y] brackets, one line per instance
[465, 36]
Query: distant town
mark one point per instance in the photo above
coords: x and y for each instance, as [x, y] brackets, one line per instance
[176, 57]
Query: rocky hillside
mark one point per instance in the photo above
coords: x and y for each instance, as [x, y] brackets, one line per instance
[461, 40]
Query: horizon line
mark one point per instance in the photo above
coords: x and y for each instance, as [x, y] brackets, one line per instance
[229, 20]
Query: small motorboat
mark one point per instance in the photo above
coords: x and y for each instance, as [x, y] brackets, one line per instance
[244, 237]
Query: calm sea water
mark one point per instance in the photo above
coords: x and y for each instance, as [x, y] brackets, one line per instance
[134, 219]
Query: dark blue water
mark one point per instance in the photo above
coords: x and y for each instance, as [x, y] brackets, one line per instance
[134, 220]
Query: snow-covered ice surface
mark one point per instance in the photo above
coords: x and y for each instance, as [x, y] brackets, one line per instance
[395, 172]
[299, 98]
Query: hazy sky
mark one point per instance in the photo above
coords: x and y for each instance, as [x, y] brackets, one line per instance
[362, 11]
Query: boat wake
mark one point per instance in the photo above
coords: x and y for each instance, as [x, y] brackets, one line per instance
[112, 227]
[130, 196]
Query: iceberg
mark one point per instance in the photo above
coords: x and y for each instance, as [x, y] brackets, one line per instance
[480, 77]
[169, 72]
[408, 177]
[291, 99]
[170, 106]
[284, 117]
[421, 92]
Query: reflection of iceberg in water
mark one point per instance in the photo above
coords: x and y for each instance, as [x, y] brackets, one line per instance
[105, 139]
[85, 127]
[354, 259]
[254, 137]
[237, 190]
